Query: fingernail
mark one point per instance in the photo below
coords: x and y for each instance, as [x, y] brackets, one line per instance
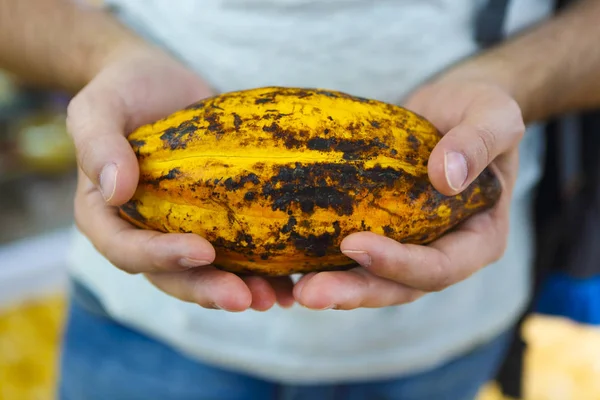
[456, 170]
[108, 181]
[361, 257]
[192, 263]
[329, 307]
[214, 306]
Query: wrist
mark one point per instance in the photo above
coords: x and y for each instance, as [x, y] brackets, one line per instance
[116, 45]
[494, 70]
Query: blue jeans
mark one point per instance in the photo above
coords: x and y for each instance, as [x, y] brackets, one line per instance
[103, 360]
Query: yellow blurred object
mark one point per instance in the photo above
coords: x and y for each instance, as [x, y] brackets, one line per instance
[562, 362]
[29, 342]
[44, 145]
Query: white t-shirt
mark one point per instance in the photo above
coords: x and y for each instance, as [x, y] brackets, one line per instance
[380, 49]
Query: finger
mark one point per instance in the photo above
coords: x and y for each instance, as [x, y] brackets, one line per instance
[263, 295]
[449, 260]
[207, 287]
[96, 122]
[283, 287]
[489, 128]
[300, 284]
[136, 250]
[356, 288]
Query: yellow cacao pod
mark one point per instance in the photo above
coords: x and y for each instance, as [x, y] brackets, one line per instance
[276, 177]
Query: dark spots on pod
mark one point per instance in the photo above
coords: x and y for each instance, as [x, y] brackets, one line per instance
[423, 238]
[178, 137]
[388, 230]
[214, 124]
[321, 144]
[419, 187]
[317, 245]
[413, 141]
[327, 93]
[289, 226]
[174, 173]
[326, 131]
[353, 149]
[171, 175]
[302, 94]
[272, 248]
[411, 159]
[394, 152]
[250, 196]
[259, 167]
[274, 115]
[330, 118]
[354, 128]
[361, 99]
[131, 209]
[232, 184]
[268, 98]
[490, 187]
[242, 238]
[296, 185]
[243, 243]
[237, 121]
[375, 124]
[336, 95]
[137, 143]
[197, 106]
[288, 138]
[231, 217]
[306, 187]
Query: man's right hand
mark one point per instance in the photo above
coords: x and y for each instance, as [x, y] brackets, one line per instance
[140, 84]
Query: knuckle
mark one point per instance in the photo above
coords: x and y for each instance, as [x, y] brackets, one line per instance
[442, 277]
[197, 290]
[150, 245]
[113, 252]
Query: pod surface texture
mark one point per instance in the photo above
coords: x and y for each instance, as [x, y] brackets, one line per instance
[276, 177]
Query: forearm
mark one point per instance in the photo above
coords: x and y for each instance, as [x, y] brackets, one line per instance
[57, 43]
[552, 69]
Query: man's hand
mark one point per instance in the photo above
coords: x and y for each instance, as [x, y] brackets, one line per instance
[480, 105]
[483, 126]
[137, 85]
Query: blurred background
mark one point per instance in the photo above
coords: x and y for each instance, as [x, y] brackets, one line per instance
[37, 183]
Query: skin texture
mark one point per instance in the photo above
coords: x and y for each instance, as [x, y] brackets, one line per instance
[275, 178]
[122, 82]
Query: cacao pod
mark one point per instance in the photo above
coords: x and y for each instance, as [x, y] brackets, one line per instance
[276, 177]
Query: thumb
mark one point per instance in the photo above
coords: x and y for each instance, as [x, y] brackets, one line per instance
[487, 130]
[96, 121]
